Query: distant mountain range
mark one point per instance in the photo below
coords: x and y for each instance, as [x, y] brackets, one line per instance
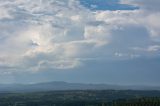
[51, 86]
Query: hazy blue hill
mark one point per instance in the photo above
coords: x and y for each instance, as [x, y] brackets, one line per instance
[49, 86]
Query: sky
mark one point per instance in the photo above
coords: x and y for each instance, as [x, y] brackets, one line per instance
[84, 41]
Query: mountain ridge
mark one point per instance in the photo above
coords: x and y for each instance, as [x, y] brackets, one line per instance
[60, 85]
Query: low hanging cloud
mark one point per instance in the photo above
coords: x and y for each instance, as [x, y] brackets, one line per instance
[57, 34]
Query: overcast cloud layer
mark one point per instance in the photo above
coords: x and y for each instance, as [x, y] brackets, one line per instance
[40, 35]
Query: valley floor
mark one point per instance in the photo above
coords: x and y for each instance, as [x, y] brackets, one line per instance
[82, 98]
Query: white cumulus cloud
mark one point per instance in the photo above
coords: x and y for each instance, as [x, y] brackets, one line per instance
[57, 34]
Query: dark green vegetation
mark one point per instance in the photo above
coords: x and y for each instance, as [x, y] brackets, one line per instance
[82, 98]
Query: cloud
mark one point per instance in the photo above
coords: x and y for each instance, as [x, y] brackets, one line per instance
[150, 10]
[57, 34]
[44, 28]
[148, 5]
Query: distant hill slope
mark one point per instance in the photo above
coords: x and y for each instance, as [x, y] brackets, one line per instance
[51, 86]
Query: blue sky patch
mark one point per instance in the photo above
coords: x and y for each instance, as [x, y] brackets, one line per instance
[106, 5]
